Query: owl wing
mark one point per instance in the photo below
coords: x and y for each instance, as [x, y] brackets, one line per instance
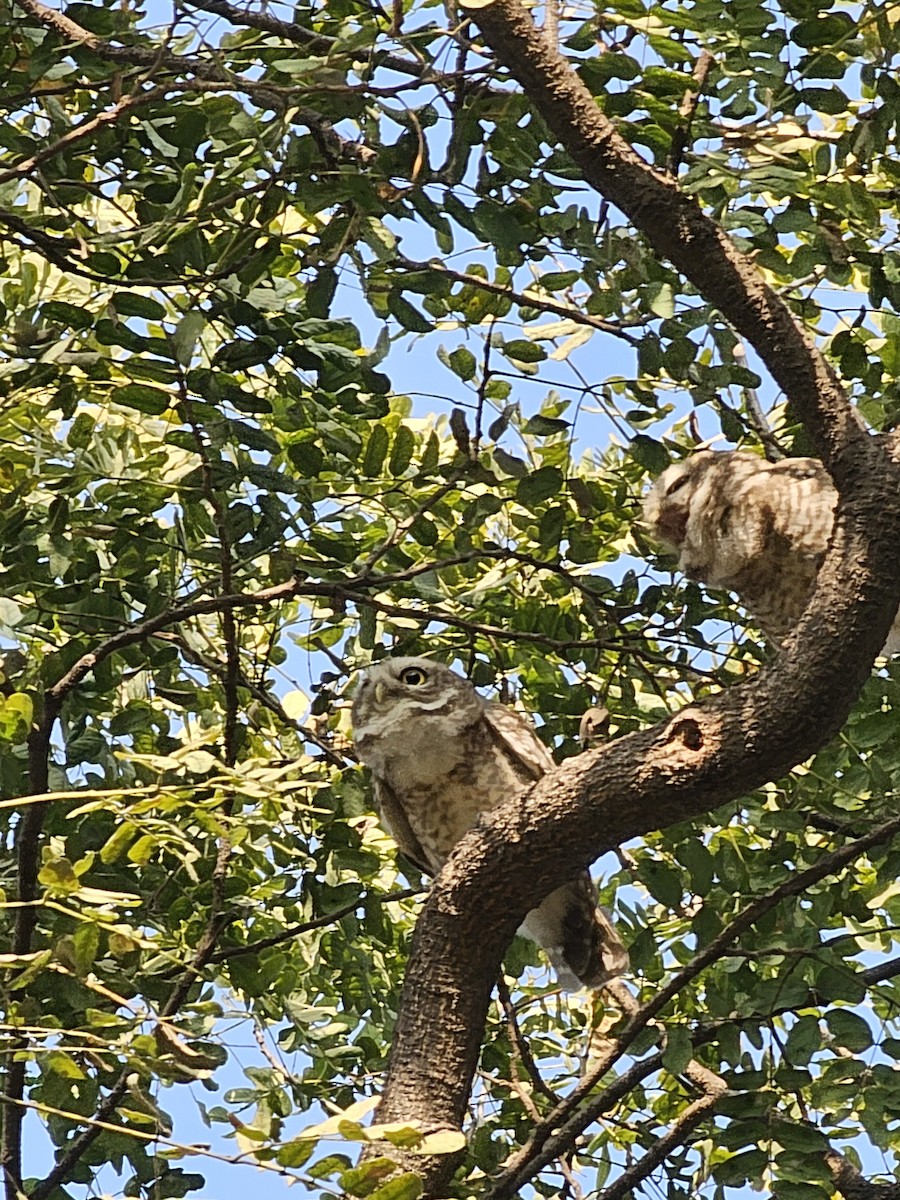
[801, 468]
[517, 736]
[395, 821]
[803, 504]
[579, 938]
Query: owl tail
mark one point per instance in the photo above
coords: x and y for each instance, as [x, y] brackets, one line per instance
[577, 936]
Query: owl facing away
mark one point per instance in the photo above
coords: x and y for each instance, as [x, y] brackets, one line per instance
[757, 528]
[440, 756]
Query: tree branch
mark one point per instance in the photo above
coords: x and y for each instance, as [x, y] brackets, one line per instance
[83, 130]
[529, 299]
[688, 108]
[662, 1147]
[678, 230]
[853, 1185]
[707, 754]
[318, 43]
[211, 74]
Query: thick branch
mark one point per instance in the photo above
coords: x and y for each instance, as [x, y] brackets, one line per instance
[853, 1185]
[707, 754]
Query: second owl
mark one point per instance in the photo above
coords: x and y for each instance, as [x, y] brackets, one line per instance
[758, 529]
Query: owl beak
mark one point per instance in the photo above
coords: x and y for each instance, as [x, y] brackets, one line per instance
[379, 692]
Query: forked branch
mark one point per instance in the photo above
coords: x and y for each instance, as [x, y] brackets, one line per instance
[709, 753]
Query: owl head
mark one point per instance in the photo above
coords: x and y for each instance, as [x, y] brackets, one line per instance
[667, 506]
[413, 700]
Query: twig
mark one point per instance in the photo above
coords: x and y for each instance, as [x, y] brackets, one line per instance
[520, 1050]
[28, 836]
[403, 527]
[207, 76]
[333, 143]
[263, 696]
[205, 955]
[527, 299]
[293, 931]
[229, 626]
[573, 1187]
[217, 918]
[102, 1125]
[688, 108]
[662, 1147]
[482, 387]
[755, 412]
[95, 1125]
[81, 131]
[76, 1148]
[291, 31]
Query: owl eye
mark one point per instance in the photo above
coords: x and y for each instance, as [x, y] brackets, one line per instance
[414, 676]
[679, 483]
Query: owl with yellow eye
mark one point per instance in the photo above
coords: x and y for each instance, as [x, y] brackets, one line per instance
[440, 756]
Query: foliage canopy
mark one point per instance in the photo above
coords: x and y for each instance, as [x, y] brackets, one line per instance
[218, 507]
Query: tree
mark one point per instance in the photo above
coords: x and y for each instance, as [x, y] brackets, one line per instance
[206, 464]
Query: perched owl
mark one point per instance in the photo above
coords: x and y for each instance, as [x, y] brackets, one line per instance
[441, 756]
[758, 529]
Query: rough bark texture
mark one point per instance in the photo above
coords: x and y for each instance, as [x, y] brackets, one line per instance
[706, 755]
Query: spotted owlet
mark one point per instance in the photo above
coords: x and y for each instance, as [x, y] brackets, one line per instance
[440, 756]
[757, 528]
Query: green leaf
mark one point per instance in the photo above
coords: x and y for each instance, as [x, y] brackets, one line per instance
[320, 292]
[410, 318]
[376, 451]
[463, 363]
[678, 1051]
[509, 464]
[406, 1186]
[145, 399]
[649, 453]
[661, 299]
[661, 882]
[694, 855]
[849, 1030]
[59, 875]
[132, 304]
[803, 1040]
[86, 943]
[540, 485]
[545, 426]
[521, 350]
[296, 1154]
[186, 334]
[332, 1164]
[365, 1179]
[402, 450]
[57, 1062]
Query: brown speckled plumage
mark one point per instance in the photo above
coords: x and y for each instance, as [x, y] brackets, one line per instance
[440, 756]
[758, 529]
